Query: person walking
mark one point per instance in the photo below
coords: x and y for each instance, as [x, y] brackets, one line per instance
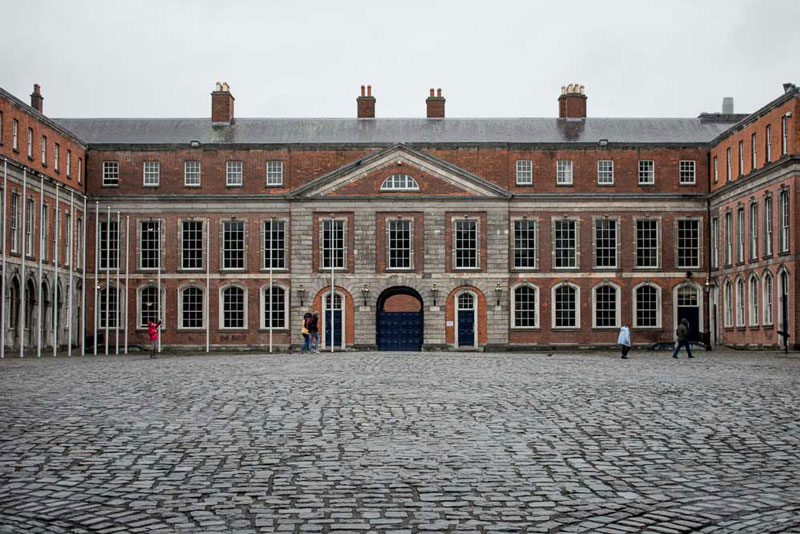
[624, 340]
[304, 331]
[682, 332]
[152, 331]
[313, 331]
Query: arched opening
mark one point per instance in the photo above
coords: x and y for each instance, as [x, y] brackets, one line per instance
[399, 323]
[688, 305]
[466, 318]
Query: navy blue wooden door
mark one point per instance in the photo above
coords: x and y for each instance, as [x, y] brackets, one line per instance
[399, 330]
[466, 328]
[337, 328]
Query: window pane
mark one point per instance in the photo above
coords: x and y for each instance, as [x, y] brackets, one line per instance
[646, 306]
[525, 244]
[466, 244]
[399, 245]
[233, 307]
[565, 306]
[233, 245]
[565, 241]
[606, 243]
[150, 232]
[192, 245]
[688, 243]
[275, 303]
[647, 243]
[525, 306]
[333, 244]
[274, 244]
[606, 306]
[192, 300]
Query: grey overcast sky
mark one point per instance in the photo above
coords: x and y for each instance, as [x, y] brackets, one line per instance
[492, 58]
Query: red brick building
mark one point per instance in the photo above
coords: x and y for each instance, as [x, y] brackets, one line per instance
[435, 232]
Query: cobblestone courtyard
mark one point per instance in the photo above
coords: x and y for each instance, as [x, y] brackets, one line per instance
[380, 442]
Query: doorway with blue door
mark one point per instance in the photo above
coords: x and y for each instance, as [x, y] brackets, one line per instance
[466, 319]
[399, 321]
[333, 320]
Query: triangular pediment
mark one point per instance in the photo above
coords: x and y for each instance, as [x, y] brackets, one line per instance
[434, 177]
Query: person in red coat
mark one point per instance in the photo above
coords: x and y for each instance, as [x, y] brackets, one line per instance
[152, 331]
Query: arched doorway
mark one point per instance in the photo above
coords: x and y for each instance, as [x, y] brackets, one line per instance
[333, 317]
[399, 323]
[466, 318]
[689, 307]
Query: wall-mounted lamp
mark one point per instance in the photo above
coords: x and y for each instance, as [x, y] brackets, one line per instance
[434, 292]
[365, 293]
[708, 285]
[498, 291]
[301, 293]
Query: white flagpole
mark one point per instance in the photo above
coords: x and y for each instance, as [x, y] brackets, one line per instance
[108, 270]
[333, 302]
[55, 278]
[21, 325]
[70, 245]
[160, 314]
[5, 263]
[96, 268]
[83, 283]
[127, 264]
[116, 320]
[271, 224]
[42, 244]
[208, 286]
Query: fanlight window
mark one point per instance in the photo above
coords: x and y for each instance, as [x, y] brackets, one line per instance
[400, 182]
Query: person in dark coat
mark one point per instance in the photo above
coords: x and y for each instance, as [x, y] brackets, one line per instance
[683, 339]
[313, 330]
[306, 337]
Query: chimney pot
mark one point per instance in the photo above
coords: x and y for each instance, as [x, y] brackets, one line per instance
[37, 100]
[431, 92]
[435, 105]
[439, 93]
[365, 105]
[572, 102]
[222, 105]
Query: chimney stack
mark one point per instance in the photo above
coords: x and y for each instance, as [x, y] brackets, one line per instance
[435, 105]
[572, 102]
[222, 105]
[365, 104]
[36, 98]
[727, 105]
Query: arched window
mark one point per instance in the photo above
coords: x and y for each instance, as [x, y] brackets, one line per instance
[753, 317]
[109, 306]
[647, 306]
[728, 304]
[768, 298]
[234, 307]
[400, 182]
[148, 306]
[783, 287]
[466, 301]
[566, 313]
[192, 305]
[526, 309]
[274, 307]
[605, 306]
[740, 302]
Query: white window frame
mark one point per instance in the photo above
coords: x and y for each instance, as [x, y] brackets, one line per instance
[322, 266]
[753, 295]
[140, 305]
[784, 135]
[636, 244]
[535, 222]
[400, 182]
[617, 303]
[119, 291]
[576, 249]
[768, 296]
[265, 257]
[728, 164]
[784, 218]
[741, 158]
[80, 170]
[753, 150]
[716, 170]
[524, 172]
[715, 243]
[234, 173]
[741, 302]
[15, 134]
[56, 157]
[564, 172]
[30, 143]
[110, 245]
[768, 224]
[44, 150]
[160, 249]
[151, 173]
[203, 251]
[69, 163]
[740, 234]
[475, 326]
[553, 306]
[754, 226]
[30, 223]
[111, 174]
[263, 306]
[605, 172]
[274, 173]
[245, 298]
[13, 223]
[647, 172]
[658, 306]
[687, 170]
[456, 221]
[192, 173]
[597, 247]
[728, 230]
[728, 304]
[698, 223]
[223, 246]
[181, 311]
[389, 222]
[537, 306]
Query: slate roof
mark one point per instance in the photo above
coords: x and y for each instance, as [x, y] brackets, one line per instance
[251, 131]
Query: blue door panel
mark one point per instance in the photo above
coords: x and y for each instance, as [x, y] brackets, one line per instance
[337, 328]
[466, 328]
[399, 331]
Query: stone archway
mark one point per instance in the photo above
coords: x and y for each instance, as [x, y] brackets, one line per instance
[399, 321]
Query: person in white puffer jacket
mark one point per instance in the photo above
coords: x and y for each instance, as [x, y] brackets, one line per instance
[624, 340]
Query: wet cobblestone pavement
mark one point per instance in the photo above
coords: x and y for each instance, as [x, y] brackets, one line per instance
[401, 443]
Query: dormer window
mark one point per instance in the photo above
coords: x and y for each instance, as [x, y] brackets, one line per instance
[400, 182]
